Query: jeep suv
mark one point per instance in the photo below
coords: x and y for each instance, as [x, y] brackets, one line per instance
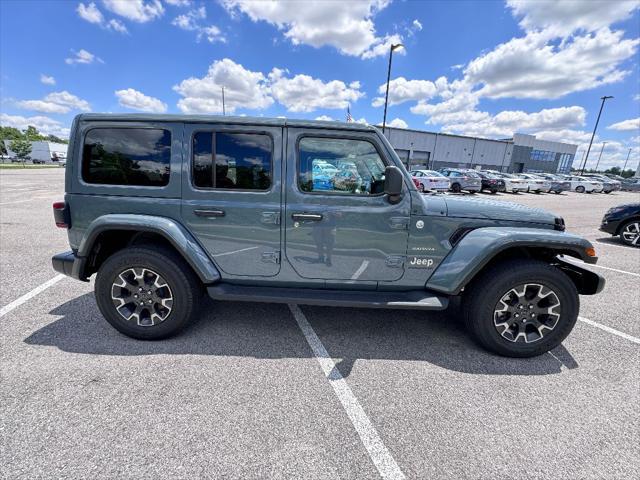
[164, 208]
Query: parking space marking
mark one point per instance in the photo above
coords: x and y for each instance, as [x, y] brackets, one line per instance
[235, 251]
[615, 270]
[381, 457]
[631, 338]
[28, 296]
[361, 269]
[613, 245]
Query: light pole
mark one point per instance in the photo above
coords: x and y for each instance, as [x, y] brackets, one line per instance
[625, 162]
[604, 99]
[600, 156]
[223, 109]
[386, 97]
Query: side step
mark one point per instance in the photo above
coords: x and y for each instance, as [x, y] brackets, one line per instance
[415, 299]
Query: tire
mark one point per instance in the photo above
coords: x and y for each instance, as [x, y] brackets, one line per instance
[493, 192]
[421, 188]
[483, 298]
[182, 286]
[456, 188]
[629, 232]
[608, 192]
[557, 192]
[580, 189]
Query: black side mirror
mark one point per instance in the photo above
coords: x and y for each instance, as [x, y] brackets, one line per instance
[393, 181]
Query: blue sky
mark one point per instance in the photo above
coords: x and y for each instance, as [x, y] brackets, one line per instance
[486, 68]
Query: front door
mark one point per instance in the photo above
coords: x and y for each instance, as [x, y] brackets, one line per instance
[232, 195]
[339, 224]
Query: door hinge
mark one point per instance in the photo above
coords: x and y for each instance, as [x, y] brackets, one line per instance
[400, 223]
[395, 261]
[270, 218]
[271, 257]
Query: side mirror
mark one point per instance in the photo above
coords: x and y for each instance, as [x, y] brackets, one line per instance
[393, 181]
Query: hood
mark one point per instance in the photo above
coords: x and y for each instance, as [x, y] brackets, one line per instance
[490, 209]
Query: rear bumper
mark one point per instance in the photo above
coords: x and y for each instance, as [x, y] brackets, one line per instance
[69, 264]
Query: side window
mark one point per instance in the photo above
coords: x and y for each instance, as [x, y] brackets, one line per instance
[233, 161]
[127, 156]
[349, 166]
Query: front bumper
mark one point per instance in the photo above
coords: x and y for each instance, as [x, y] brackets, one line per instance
[69, 264]
[609, 226]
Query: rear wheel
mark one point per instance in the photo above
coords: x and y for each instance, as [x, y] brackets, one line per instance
[580, 189]
[456, 188]
[521, 308]
[147, 293]
[630, 233]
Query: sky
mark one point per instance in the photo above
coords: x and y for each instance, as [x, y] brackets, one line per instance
[481, 68]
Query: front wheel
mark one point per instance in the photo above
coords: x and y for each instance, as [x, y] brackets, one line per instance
[456, 188]
[580, 189]
[147, 293]
[521, 308]
[630, 233]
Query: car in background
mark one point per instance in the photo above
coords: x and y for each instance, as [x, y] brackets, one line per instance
[558, 184]
[583, 184]
[429, 180]
[491, 182]
[630, 185]
[462, 179]
[535, 184]
[608, 184]
[623, 221]
[512, 183]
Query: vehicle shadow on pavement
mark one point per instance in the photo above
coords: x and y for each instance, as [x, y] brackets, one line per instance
[269, 331]
[615, 241]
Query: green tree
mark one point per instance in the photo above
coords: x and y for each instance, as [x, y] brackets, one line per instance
[21, 147]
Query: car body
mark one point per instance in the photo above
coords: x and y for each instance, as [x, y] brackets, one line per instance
[623, 221]
[492, 182]
[162, 208]
[630, 185]
[558, 184]
[582, 184]
[534, 183]
[430, 180]
[512, 183]
[608, 184]
[462, 179]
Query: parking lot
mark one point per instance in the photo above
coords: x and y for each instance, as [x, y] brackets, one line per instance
[247, 391]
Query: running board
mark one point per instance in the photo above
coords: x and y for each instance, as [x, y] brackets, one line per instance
[415, 299]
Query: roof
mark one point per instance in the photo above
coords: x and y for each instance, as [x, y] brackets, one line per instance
[265, 121]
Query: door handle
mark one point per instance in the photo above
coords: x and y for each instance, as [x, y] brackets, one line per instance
[209, 213]
[313, 217]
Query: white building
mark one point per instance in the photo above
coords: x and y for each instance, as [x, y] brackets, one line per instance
[42, 151]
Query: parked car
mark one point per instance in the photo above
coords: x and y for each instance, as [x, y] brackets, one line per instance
[223, 210]
[558, 184]
[512, 183]
[535, 184]
[491, 182]
[608, 184]
[630, 185]
[623, 221]
[583, 184]
[462, 179]
[430, 180]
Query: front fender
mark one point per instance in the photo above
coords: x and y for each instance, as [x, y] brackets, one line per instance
[171, 230]
[481, 245]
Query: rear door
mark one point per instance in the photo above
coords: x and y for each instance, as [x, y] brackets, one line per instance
[232, 195]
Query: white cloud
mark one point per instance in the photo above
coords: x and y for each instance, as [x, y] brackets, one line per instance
[135, 100]
[243, 89]
[631, 124]
[346, 25]
[140, 11]
[82, 56]
[303, 93]
[45, 125]
[56, 102]
[116, 26]
[191, 21]
[325, 118]
[637, 97]
[402, 90]
[417, 25]
[398, 123]
[47, 80]
[178, 3]
[90, 13]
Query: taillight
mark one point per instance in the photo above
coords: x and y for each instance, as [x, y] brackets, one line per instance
[61, 214]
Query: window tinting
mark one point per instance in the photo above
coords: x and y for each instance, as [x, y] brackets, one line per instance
[339, 165]
[127, 156]
[238, 161]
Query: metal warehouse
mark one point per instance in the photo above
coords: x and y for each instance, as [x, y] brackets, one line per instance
[522, 153]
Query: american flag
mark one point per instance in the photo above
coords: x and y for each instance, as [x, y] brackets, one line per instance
[349, 117]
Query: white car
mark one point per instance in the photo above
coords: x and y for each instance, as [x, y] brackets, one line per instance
[428, 180]
[584, 184]
[535, 184]
[512, 183]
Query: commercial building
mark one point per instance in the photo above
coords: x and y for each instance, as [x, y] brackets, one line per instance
[522, 153]
[42, 151]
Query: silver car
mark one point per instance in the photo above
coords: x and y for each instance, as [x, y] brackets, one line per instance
[462, 180]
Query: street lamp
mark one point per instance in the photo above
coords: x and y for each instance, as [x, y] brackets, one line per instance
[386, 97]
[625, 162]
[600, 156]
[604, 99]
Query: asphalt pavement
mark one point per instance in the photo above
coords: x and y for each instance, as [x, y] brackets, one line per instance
[272, 391]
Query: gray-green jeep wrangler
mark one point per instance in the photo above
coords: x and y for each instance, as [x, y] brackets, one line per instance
[165, 207]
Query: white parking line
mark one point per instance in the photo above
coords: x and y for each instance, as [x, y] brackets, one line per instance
[235, 251]
[615, 270]
[28, 296]
[361, 269]
[612, 245]
[381, 457]
[610, 330]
